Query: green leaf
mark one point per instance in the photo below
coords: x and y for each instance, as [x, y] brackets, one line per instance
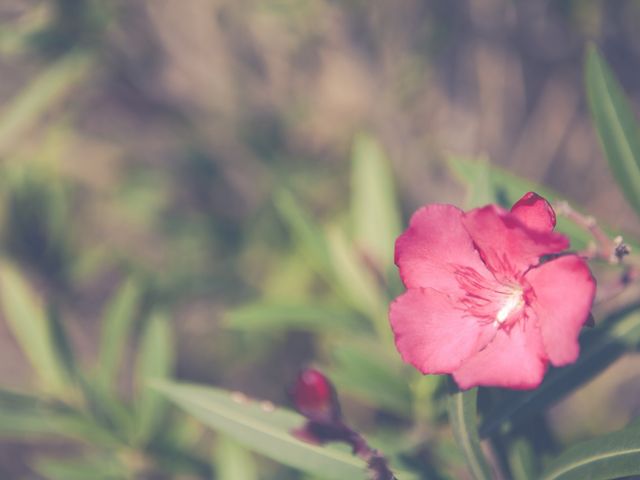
[61, 342]
[600, 347]
[507, 188]
[155, 361]
[233, 462]
[27, 320]
[25, 416]
[262, 429]
[320, 318]
[18, 424]
[356, 283]
[424, 389]
[96, 468]
[13, 399]
[39, 96]
[116, 329]
[374, 208]
[105, 410]
[82, 428]
[366, 372]
[477, 176]
[462, 416]
[522, 460]
[609, 456]
[304, 230]
[16, 36]
[615, 124]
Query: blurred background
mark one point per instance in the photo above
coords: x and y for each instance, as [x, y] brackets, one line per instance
[167, 145]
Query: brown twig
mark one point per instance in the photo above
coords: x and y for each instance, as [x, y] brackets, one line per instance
[612, 251]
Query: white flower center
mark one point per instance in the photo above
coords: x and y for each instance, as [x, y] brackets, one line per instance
[513, 302]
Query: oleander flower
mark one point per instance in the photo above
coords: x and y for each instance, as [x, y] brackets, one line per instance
[481, 303]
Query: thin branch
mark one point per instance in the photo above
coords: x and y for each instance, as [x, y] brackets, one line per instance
[612, 251]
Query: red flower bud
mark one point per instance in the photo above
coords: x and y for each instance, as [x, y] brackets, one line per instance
[314, 396]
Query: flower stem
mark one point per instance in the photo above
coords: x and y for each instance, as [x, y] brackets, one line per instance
[462, 416]
[614, 251]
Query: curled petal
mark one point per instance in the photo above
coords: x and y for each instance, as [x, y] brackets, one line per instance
[535, 212]
[515, 359]
[562, 294]
[506, 245]
[432, 333]
[434, 245]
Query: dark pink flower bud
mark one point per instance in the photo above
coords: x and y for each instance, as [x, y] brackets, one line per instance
[314, 396]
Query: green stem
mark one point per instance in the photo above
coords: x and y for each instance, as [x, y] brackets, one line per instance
[462, 415]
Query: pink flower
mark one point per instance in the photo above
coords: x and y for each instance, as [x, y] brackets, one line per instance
[480, 304]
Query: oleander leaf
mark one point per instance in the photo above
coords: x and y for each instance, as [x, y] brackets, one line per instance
[25, 314]
[375, 213]
[614, 455]
[262, 316]
[615, 125]
[463, 419]
[155, 361]
[263, 429]
[117, 324]
[499, 185]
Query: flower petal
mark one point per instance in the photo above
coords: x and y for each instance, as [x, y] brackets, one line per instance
[563, 291]
[515, 358]
[435, 243]
[535, 212]
[433, 333]
[506, 245]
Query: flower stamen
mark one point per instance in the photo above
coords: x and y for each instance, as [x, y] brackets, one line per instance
[514, 301]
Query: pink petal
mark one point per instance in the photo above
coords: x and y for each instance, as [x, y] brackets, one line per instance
[535, 212]
[515, 358]
[506, 245]
[563, 291]
[433, 333]
[435, 242]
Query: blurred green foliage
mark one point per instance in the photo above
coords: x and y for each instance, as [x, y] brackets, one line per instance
[205, 190]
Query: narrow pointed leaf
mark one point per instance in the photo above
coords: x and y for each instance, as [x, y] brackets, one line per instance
[40, 95]
[105, 409]
[26, 416]
[367, 373]
[262, 429]
[116, 328]
[610, 456]
[522, 460]
[24, 312]
[462, 416]
[95, 468]
[155, 361]
[304, 230]
[615, 124]
[477, 177]
[268, 316]
[61, 343]
[506, 189]
[374, 207]
[355, 282]
[233, 462]
[23, 414]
